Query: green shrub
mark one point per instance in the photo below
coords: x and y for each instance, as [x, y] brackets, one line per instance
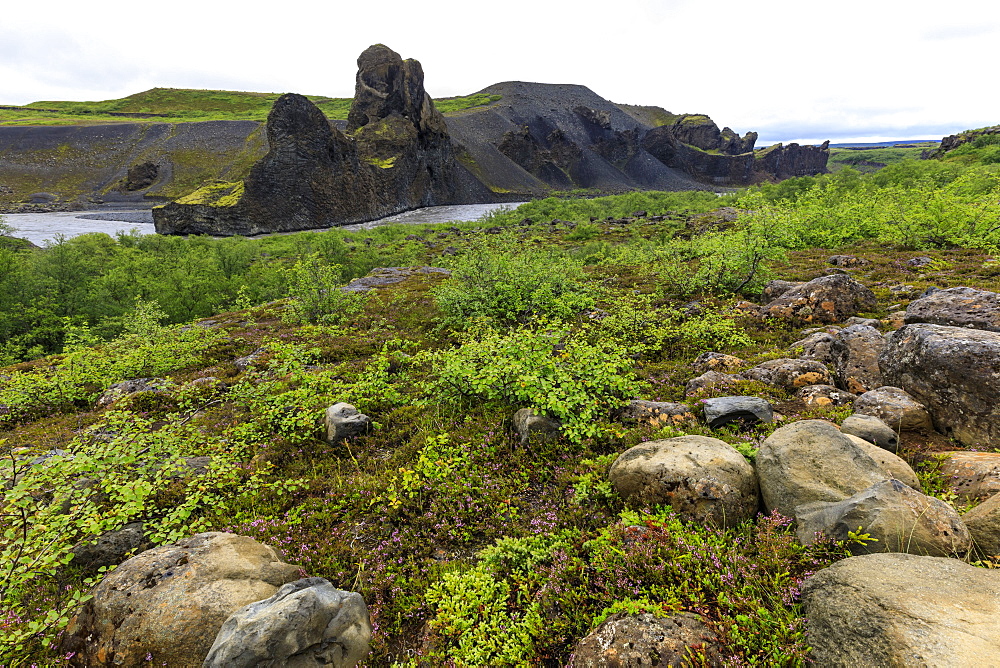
[315, 295]
[548, 370]
[505, 283]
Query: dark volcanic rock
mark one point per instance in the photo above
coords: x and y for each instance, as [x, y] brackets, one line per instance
[954, 372]
[398, 157]
[140, 176]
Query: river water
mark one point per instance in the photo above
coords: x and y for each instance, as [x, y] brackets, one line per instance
[41, 227]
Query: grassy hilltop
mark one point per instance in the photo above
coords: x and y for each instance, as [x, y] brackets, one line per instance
[178, 105]
[469, 548]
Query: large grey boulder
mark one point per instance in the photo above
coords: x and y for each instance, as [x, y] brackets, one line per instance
[701, 478]
[957, 307]
[344, 421]
[983, 523]
[810, 460]
[789, 374]
[172, 600]
[891, 465]
[871, 429]
[645, 640]
[954, 372]
[895, 407]
[897, 517]
[903, 610]
[854, 353]
[825, 299]
[305, 623]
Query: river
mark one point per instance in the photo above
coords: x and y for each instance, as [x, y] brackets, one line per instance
[42, 227]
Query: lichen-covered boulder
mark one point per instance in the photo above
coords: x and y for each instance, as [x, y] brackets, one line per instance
[854, 354]
[710, 382]
[656, 412]
[171, 601]
[895, 407]
[712, 361]
[810, 460]
[776, 288]
[789, 374]
[903, 610]
[822, 300]
[972, 476]
[815, 346]
[954, 372]
[701, 478]
[306, 624]
[957, 307]
[897, 518]
[645, 640]
[825, 395]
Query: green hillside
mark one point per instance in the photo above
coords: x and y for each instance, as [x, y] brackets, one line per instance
[177, 105]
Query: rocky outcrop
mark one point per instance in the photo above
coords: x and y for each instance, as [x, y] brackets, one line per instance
[903, 610]
[397, 156]
[954, 372]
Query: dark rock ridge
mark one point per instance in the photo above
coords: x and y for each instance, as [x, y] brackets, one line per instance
[398, 157]
[543, 136]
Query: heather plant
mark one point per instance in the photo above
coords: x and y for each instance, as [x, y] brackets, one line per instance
[744, 582]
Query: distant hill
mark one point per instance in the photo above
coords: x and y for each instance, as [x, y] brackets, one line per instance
[179, 105]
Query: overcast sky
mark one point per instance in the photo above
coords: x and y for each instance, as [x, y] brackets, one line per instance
[788, 69]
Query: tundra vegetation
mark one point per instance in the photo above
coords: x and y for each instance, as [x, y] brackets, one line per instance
[469, 547]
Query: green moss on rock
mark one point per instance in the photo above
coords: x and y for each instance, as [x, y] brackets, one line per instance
[218, 194]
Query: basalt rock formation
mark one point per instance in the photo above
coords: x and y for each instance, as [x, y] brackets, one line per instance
[396, 156]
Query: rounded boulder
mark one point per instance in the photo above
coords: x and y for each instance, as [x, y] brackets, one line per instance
[701, 478]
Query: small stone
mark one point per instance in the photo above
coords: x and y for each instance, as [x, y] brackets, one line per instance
[871, 429]
[647, 640]
[712, 361]
[527, 422]
[745, 410]
[709, 382]
[824, 395]
[790, 374]
[344, 421]
[983, 523]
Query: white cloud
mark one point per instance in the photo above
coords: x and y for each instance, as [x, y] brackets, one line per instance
[773, 66]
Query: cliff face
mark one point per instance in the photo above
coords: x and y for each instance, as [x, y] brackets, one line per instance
[396, 156]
